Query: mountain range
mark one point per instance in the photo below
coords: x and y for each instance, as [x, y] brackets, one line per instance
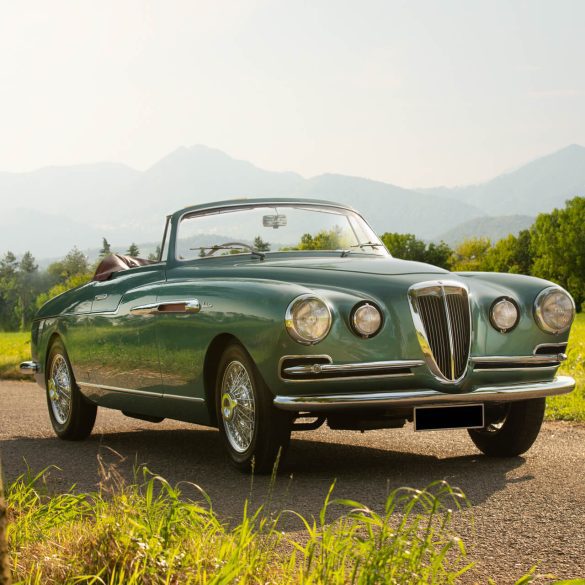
[50, 210]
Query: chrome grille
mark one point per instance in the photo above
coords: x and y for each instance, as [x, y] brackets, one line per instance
[442, 319]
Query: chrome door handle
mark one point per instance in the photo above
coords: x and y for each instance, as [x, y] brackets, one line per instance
[193, 306]
[100, 297]
[189, 306]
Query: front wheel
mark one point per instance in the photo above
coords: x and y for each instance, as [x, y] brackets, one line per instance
[510, 429]
[72, 415]
[253, 430]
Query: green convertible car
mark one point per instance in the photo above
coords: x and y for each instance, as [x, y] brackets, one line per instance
[265, 316]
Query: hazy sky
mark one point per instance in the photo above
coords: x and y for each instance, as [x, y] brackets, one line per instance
[414, 93]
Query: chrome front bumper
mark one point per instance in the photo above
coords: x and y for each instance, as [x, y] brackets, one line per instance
[408, 398]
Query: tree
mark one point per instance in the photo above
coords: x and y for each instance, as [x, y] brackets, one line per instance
[155, 256]
[133, 250]
[261, 245]
[8, 291]
[106, 248]
[470, 255]
[558, 247]
[323, 240]
[408, 247]
[404, 246]
[439, 255]
[75, 262]
[61, 287]
[510, 254]
[27, 289]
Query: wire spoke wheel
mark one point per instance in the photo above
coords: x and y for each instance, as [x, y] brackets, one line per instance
[238, 406]
[59, 387]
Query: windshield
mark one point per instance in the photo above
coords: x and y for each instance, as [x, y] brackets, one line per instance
[267, 229]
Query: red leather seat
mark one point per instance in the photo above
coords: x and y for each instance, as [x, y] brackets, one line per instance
[116, 263]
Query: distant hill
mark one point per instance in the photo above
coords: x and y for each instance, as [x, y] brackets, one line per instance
[536, 187]
[50, 210]
[494, 228]
[125, 205]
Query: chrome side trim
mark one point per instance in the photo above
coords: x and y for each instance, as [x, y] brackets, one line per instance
[189, 398]
[117, 389]
[519, 359]
[359, 367]
[411, 398]
[517, 362]
[142, 392]
[28, 368]
[559, 346]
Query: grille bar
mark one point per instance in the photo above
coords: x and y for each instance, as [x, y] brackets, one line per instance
[442, 318]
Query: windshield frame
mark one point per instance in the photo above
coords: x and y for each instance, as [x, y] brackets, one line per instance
[251, 204]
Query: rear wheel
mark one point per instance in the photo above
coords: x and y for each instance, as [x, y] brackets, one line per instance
[72, 415]
[253, 431]
[510, 429]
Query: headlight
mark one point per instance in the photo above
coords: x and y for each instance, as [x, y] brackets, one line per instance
[308, 319]
[504, 315]
[554, 310]
[366, 320]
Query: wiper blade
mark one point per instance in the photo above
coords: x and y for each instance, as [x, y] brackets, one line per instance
[233, 246]
[367, 245]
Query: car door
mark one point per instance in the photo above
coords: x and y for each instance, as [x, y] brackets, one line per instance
[124, 354]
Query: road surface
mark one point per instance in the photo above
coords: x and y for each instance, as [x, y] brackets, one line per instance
[525, 510]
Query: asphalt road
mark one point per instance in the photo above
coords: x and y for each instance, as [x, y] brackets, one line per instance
[525, 510]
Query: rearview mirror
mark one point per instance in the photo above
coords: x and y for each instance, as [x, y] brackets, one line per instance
[274, 221]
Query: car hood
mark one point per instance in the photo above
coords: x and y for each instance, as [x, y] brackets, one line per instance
[373, 265]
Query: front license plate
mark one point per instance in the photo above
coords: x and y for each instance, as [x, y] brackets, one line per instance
[434, 418]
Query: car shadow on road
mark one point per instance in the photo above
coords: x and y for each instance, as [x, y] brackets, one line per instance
[361, 472]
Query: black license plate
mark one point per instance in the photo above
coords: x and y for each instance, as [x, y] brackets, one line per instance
[434, 418]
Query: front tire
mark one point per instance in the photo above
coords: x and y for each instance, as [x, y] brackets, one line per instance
[71, 414]
[254, 432]
[510, 429]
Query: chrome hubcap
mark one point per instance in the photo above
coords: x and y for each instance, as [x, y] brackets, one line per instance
[59, 388]
[238, 408]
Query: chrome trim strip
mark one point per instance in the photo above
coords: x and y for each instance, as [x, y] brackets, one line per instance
[560, 346]
[189, 398]
[519, 359]
[408, 398]
[359, 367]
[116, 389]
[28, 368]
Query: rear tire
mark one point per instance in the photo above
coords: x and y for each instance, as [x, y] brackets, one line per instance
[254, 432]
[71, 414]
[510, 429]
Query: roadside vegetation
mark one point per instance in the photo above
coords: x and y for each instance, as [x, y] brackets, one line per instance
[150, 532]
[572, 406]
[14, 348]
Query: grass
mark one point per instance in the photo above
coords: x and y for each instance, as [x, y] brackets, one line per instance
[150, 532]
[14, 348]
[572, 406]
